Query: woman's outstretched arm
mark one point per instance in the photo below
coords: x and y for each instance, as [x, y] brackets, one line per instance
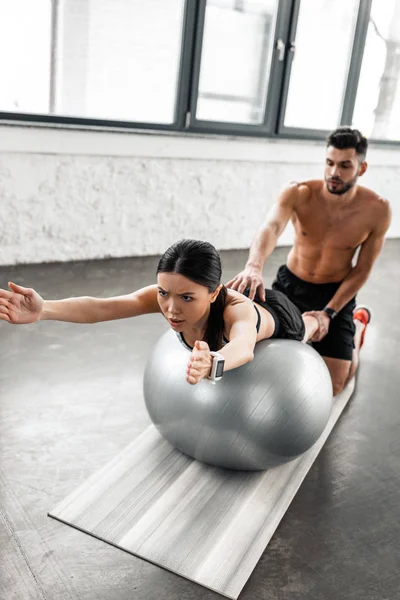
[20, 305]
[240, 324]
[240, 321]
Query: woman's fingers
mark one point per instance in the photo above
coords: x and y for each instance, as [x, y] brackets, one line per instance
[193, 376]
[199, 363]
[19, 289]
[5, 294]
[200, 345]
[194, 369]
[197, 369]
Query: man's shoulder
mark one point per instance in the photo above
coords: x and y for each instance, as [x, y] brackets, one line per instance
[304, 190]
[373, 199]
[377, 207]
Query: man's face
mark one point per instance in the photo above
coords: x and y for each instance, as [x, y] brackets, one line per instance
[342, 169]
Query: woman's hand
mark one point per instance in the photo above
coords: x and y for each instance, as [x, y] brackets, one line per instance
[21, 305]
[200, 363]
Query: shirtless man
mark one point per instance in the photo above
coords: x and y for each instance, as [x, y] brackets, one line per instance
[332, 218]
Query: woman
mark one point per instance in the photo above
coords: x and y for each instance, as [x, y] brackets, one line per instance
[189, 294]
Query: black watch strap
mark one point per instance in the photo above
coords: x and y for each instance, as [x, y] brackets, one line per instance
[330, 312]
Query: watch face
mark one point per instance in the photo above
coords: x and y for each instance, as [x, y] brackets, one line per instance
[220, 368]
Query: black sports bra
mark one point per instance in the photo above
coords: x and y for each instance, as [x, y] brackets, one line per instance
[258, 318]
[182, 339]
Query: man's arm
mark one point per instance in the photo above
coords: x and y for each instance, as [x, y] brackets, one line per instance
[359, 274]
[265, 242]
[273, 226]
[369, 252]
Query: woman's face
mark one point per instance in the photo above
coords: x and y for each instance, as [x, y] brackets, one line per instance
[184, 304]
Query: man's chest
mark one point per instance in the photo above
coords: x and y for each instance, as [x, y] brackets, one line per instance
[345, 228]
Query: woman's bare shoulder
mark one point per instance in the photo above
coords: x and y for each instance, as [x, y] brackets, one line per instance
[234, 298]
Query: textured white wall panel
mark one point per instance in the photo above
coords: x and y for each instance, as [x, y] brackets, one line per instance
[60, 207]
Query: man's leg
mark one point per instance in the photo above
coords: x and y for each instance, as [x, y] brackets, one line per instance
[340, 372]
[343, 370]
[361, 318]
[347, 328]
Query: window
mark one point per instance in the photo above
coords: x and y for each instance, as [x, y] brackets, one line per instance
[377, 109]
[236, 56]
[255, 67]
[119, 60]
[25, 56]
[318, 78]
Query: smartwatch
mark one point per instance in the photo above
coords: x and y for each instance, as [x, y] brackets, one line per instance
[217, 367]
[330, 312]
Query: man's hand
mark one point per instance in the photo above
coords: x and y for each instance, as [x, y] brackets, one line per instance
[200, 363]
[250, 277]
[20, 306]
[323, 324]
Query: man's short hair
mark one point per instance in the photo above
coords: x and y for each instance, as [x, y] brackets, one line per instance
[345, 137]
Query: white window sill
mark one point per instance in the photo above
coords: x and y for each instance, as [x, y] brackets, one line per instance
[54, 139]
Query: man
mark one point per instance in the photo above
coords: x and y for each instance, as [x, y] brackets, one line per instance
[332, 218]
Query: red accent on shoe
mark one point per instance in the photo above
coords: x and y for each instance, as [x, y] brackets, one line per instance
[362, 314]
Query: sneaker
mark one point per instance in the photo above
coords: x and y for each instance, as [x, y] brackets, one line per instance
[363, 314]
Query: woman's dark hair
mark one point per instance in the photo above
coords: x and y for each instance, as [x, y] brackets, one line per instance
[200, 262]
[346, 137]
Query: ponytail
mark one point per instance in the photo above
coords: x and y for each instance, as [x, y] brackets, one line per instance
[215, 327]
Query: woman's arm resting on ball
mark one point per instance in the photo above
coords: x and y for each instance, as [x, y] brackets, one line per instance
[240, 322]
[24, 305]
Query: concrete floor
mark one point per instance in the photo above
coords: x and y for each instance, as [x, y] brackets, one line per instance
[71, 399]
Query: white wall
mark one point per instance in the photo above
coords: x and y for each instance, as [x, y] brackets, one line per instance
[68, 194]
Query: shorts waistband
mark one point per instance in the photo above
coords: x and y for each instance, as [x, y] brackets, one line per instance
[303, 282]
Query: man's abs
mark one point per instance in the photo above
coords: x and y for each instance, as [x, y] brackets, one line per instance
[327, 235]
[318, 265]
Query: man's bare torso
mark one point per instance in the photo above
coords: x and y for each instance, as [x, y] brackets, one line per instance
[328, 231]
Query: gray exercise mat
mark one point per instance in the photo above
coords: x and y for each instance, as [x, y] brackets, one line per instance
[206, 524]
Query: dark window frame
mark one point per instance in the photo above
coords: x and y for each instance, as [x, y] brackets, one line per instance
[185, 121]
[353, 75]
[276, 75]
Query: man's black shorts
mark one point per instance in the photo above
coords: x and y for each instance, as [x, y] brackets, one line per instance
[338, 343]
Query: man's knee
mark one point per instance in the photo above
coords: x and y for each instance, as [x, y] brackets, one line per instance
[338, 386]
[340, 372]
